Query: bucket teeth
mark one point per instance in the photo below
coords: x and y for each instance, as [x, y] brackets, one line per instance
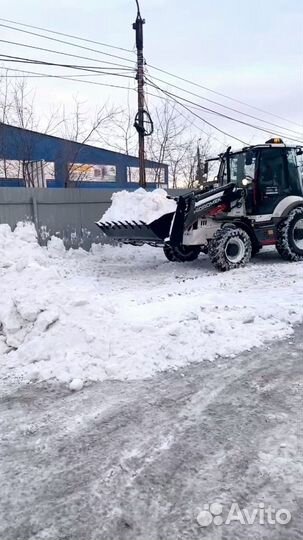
[136, 231]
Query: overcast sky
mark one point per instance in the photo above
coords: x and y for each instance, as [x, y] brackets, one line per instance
[251, 51]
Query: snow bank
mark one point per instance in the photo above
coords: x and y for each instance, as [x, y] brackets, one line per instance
[139, 205]
[124, 313]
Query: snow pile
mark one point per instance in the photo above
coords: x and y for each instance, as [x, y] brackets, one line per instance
[125, 312]
[139, 205]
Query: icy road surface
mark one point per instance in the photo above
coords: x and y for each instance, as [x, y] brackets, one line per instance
[127, 313]
[138, 460]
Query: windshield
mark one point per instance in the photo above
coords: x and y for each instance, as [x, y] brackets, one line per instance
[240, 168]
[294, 161]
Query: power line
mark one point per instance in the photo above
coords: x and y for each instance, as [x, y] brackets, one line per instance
[171, 96]
[138, 7]
[174, 98]
[67, 35]
[128, 50]
[223, 95]
[221, 114]
[65, 42]
[7, 58]
[166, 98]
[48, 76]
[226, 107]
[64, 53]
[272, 133]
[67, 76]
[70, 78]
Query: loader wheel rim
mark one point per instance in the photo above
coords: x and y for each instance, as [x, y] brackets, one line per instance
[235, 250]
[298, 234]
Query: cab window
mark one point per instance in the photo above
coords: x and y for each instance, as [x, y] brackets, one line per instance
[279, 173]
[294, 173]
[240, 169]
[272, 178]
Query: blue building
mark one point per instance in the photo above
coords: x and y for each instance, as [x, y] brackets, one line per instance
[32, 159]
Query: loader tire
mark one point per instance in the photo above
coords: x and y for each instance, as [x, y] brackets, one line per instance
[230, 248]
[255, 246]
[181, 253]
[290, 236]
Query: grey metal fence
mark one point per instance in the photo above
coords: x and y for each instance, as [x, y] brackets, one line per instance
[67, 213]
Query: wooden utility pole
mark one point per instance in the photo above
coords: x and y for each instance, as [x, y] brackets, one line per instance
[139, 122]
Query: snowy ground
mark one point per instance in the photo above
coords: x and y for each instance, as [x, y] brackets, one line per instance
[127, 313]
[136, 458]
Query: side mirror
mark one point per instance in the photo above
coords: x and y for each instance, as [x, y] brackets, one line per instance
[299, 151]
[249, 158]
[205, 168]
[247, 181]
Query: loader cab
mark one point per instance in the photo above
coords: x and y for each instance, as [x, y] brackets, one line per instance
[268, 173]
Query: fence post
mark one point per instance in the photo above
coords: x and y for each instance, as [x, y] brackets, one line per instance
[36, 217]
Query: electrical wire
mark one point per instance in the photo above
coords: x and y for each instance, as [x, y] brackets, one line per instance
[70, 78]
[67, 35]
[222, 95]
[226, 107]
[64, 53]
[65, 42]
[166, 98]
[67, 76]
[32, 74]
[221, 114]
[49, 76]
[164, 71]
[174, 98]
[151, 66]
[7, 58]
[138, 8]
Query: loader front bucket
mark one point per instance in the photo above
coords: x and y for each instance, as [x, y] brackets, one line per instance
[138, 232]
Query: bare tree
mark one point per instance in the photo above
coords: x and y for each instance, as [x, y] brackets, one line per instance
[168, 132]
[175, 143]
[178, 155]
[17, 108]
[197, 149]
[81, 127]
[121, 135]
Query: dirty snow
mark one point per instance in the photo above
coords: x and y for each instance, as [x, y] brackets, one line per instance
[126, 312]
[139, 205]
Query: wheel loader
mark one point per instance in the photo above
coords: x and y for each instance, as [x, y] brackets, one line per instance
[257, 201]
